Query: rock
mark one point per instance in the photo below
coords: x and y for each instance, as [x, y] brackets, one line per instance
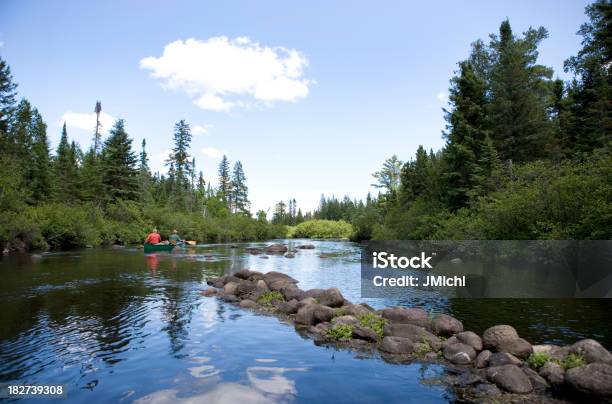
[228, 298]
[414, 333]
[397, 345]
[553, 372]
[306, 302]
[277, 280]
[452, 340]
[230, 288]
[264, 257]
[244, 289]
[421, 348]
[209, 292]
[517, 347]
[482, 360]
[430, 356]
[255, 276]
[292, 292]
[243, 274]
[290, 255]
[331, 297]
[320, 328]
[313, 314]
[459, 353]
[543, 349]
[446, 325]
[365, 334]
[356, 310]
[503, 358]
[593, 380]
[493, 335]
[487, 391]
[248, 304]
[470, 338]
[314, 293]
[262, 284]
[254, 250]
[592, 351]
[345, 320]
[402, 315]
[290, 307]
[276, 249]
[559, 353]
[306, 247]
[537, 381]
[218, 282]
[510, 378]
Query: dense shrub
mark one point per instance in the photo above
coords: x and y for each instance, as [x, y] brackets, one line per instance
[323, 229]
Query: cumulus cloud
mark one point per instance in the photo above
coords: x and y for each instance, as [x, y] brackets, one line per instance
[200, 129]
[85, 121]
[221, 73]
[212, 152]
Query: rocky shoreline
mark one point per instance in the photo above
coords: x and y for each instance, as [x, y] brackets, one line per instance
[498, 366]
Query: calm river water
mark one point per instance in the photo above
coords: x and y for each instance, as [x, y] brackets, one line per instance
[121, 326]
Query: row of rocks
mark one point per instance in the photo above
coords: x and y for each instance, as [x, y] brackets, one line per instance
[278, 249]
[496, 362]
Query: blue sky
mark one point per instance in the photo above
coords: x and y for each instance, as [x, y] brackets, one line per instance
[310, 96]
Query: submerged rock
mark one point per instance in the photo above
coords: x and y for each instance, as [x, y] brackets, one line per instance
[306, 247]
[209, 292]
[276, 249]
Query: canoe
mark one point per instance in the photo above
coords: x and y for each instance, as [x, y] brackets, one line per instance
[158, 247]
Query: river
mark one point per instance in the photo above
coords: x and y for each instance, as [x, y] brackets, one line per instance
[116, 325]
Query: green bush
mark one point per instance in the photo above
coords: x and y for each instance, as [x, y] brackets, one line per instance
[572, 361]
[373, 322]
[329, 229]
[537, 360]
[267, 298]
[342, 332]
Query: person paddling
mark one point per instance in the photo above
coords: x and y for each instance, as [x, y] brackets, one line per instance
[175, 238]
[153, 238]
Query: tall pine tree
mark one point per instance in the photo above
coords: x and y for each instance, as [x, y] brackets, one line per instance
[119, 172]
[239, 190]
[225, 183]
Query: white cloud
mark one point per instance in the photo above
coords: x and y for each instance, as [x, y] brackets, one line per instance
[442, 97]
[220, 73]
[200, 129]
[85, 121]
[212, 152]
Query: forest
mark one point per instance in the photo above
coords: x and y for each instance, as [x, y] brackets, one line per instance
[526, 156]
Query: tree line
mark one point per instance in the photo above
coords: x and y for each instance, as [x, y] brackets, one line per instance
[108, 192]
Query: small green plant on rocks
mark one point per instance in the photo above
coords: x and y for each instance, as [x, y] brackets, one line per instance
[572, 361]
[342, 332]
[373, 322]
[340, 311]
[537, 360]
[267, 298]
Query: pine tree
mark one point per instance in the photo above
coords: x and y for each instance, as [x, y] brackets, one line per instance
[144, 173]
[21, 133]
[465, 133]
[389, 177]
[486, 176]
[224, 180]
[590, 96]
[65, 179]
[119, 172]
[239, 190]
[520, 93]
[8, 97]
[40, 184]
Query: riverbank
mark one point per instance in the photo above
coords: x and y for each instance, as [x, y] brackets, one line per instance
[498, 364]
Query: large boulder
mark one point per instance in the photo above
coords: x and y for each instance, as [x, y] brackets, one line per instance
[248, 304]
[482, 360]
[470, 338]
[593, 380]
[243, 274]
[345, 320]
[313, 314]
[230, 288]
[397, 345]
[459, 353]
[276, 249]
[262, 284]
[413, 332]
[537, 381]
[510, 378]
[446, 325]
[494, 335]
[306, 302]
[553, 372]
[592, 351]
[277, 280]
[402, 315]
[290, 307]
[244, 288]
[503, 358]
[364, 333]
[517, 347]
[331, 297]
[314, 293]
[356, 310]
[290, 291]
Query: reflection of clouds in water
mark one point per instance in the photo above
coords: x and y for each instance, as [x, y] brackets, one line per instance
[271, 380]
[209, 312]
[265, 360]
[267, 385]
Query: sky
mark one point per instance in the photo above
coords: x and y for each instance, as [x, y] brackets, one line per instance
[311, 97]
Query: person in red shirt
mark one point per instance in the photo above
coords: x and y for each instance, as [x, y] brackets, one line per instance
[153, 238]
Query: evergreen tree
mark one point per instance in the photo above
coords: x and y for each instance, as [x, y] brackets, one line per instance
[119, 173]
[486, 176]
[144, 173]
[389, 177]
[591, 93]
[65, 181]
[518, 120]
[180, 163]
[239, 190]
[40, 183]
[465, 133]
[21, 133]
[225, 183]
[7, 100]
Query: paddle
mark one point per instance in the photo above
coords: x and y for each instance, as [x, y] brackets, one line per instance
[190, 242]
